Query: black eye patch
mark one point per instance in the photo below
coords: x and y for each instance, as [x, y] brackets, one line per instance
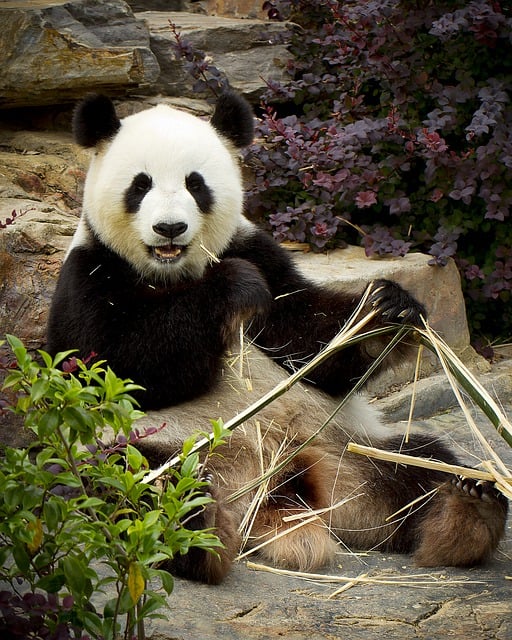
[135, 193]
[200, 191]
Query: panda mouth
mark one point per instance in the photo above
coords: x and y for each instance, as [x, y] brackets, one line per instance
[168, 252]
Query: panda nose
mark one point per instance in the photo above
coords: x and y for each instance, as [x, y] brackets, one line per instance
[170, 230]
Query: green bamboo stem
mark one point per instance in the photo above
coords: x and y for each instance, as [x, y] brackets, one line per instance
[468, 382]
[350, 334]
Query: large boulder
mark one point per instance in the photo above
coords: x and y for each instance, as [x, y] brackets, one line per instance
[249, 52]
[55, 51]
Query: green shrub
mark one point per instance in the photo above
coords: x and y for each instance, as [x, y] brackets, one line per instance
[75, 518]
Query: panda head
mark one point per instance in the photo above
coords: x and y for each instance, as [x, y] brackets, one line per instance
[164, 187]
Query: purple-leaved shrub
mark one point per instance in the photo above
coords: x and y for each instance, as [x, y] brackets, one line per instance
[397, 118]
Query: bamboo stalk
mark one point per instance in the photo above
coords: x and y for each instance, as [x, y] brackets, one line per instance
[279, 535]
[415, 580]
[350, 334]
[402, 458]
[454, 368]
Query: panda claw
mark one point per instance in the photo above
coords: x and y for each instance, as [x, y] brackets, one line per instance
[207, 478]
[394, 304]
[479, 489]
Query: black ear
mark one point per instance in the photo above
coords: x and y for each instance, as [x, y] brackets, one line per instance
[94, 120]
[234, 119]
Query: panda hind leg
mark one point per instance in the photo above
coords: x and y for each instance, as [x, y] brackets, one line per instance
[210, 567]
[463, 525]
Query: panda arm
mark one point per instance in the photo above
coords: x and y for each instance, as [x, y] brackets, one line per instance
[305, 316]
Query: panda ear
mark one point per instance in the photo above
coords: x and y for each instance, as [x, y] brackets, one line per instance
[94, 120]
[233, 118]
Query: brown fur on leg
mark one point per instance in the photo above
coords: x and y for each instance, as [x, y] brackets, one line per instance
[207, 566]
[463, 525]
[302, 487]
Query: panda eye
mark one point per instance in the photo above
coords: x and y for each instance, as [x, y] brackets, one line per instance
[142, 182]
[135, 193]
[200, 191]
[195, 182]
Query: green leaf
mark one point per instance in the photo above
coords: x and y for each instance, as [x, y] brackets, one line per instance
[74, 573]
[21, 558]
[166, 579]
[78, 418]
[189, 465]
[134, 458]
[52, 514]
[48, 423]
[39, 389]
[93, 624]
[52, 583]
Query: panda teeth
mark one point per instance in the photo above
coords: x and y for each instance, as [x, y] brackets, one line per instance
[167, 252]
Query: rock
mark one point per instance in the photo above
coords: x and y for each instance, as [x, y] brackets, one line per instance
[243, 49]
[56, 51]
[157, 5]
[235, 8]
[438, 288]
[41, 165]
[31, 252]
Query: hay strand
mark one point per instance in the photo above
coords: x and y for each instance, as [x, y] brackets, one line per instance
[402, 458]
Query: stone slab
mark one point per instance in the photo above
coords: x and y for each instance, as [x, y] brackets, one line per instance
[55, 51]
[248, 51]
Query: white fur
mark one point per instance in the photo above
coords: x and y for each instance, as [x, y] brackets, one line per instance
[168, 145]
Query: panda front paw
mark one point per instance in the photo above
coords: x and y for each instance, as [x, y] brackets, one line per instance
[246, 293]
[395, 305]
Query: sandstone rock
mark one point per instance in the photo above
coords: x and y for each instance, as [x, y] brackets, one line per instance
[242, 49]
[31, 252]
[438, 288]
[55, 51]
[157, 5]
[235, 8]
[42, 165]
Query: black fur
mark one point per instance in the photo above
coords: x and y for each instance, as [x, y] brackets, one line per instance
[304, 316]
[200, 191]
[134, 195]
[233, 118]
[94, 120]
[186, 331]
[168, 339]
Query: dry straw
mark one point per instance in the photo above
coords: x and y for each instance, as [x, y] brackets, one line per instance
[418, 580]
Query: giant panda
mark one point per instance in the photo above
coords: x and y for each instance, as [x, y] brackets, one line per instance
[161, 272]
